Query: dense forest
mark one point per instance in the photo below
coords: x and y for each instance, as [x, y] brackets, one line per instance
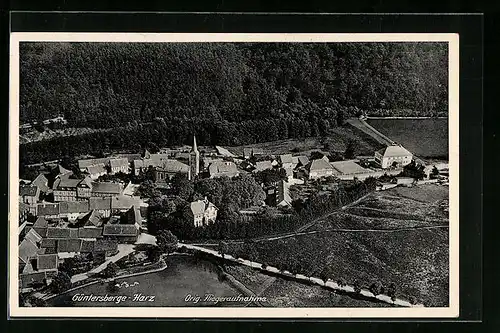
[110, 84]
[228, 93]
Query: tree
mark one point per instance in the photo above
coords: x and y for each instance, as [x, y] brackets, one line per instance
[434, 173]
[166, 241]
[392, 291]
[376, 288]
[223, 248]
[326, 274]
[341, 282]
[335, 156]
[182, 186]
[110, 271]
[357, 287]
[61, 282]
[414, 171]
[352, 149]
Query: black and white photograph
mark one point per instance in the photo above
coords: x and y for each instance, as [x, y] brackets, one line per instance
[213, 175]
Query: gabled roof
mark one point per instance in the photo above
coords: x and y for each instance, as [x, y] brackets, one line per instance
[200, 206]
[90, 232]
[40, 223]
[67, 183]
[125, 202]
[91, 219]
[70, 207]
[83, 164]
[33, 236]
[283, 195]
[42, 231]
[48, 209]
[105, 245]
[61, 171]
[252, 151]
[286, 158]
[223, 151]
[263, 165]
[96, 169]
[173, 166]
[27, 250]
[120, 230]
[118, 162]
[348, 167]
[223, 168]
[319, 164]
[47, 262]
[107, 187]
[30, 191]
[132, 216]
[54, 232]
[41, 182]
[100, 203]
[29, 279]
[303, 160]
[394, 151]
[138, 164]
[69, 245]
[48, 243]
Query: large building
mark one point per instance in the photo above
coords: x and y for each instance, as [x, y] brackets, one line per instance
[223, 169]
[320, 168]
[393, 156]
[202, 212]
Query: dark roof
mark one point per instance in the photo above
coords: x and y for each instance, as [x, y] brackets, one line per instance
[48, 209]
[67, 183]
[173, 166]
[40, 223]
[73, 233]
[120, 230]
[28, 279]
[48, 242]
[69, 245]
[47, 261]
[125, 202]
[105, 245]
[29, 190]
[89, 232]
[111, 188]
[91, 219]
[100, 203]
[69, 207]
[42, 231]
[58, 232]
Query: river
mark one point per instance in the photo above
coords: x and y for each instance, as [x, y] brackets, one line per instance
[187, 281]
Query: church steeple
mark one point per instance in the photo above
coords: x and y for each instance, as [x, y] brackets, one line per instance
[194, 161]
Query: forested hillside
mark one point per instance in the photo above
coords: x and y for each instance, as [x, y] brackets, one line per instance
[111, 84]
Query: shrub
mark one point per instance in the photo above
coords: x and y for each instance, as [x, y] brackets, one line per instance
[376, 288]
[341, 282]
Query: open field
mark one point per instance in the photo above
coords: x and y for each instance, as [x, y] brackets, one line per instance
[284, 293]
[336, 140]
[404, 251]
[427, 138]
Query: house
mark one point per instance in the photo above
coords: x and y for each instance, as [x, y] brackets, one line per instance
[73, 209]
[48, 210]
[91, 219]
[31, 281]
[60, 172]
[122, 203]
[302, 161]
[83, 165]
[29, 194]
[106, 189]
[33, 236]
[393, 156]
[349, 167]
[68, 189]
[96, 171]
[90, 232]
[263, 165]
[27, 250]
[250, 152]
[223, 168]
[201, 212]
[40, 226]
[101, 205]
[47, 262]
[123, 233]
[24, 212]
[119, 165]
[319, 168]
[132, 216]
[42, 183]
[278, 195]
[286, 161]
[169, 168]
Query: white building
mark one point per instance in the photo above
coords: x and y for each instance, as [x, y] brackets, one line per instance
[394, 155]
[202, 212]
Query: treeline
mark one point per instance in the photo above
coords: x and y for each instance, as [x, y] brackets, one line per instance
[105, 85]
[231, 225]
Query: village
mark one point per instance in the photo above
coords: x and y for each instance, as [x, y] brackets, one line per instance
[63, 215]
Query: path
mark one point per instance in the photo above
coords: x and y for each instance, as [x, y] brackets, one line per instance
[301, 278]
[123, 251]
[370, 130]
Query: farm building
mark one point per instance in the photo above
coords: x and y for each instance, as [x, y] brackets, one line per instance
[394, 155]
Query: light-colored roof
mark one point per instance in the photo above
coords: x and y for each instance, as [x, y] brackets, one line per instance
[283, 193]
[27, 250]
[91, 219]
[286, 158]
[33, 236]
[67, 183]
[223, 168]
[83, 164]
[125, 202]
[118, 162]
[138, 164]
[303, 160]
[40, 223]
[319, 164]
[224, 152]
[100, 203]
[263, 165]
[173, 166]
[348, 167]
[41, 181]
[96, 169]
[394, 151]
[200, 206]
[29, 190]
[107, 187]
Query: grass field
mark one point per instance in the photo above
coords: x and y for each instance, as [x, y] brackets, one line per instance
[415, 260]
[427, 138]
[336, 140]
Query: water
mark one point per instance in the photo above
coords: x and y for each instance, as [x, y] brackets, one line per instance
[187, 281]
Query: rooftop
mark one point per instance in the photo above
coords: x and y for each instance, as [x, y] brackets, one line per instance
[394, 151]
[107, 187]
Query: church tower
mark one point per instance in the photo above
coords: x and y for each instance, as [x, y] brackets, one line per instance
[194, 161]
